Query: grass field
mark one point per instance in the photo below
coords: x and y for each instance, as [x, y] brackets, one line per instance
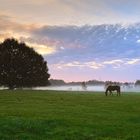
[59, 115]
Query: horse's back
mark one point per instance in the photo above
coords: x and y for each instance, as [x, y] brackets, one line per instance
[116, 87]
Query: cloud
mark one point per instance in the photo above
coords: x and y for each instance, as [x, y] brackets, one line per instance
[91, 12]
[42, 49]
[138, 41]
[7, 24]
[100, 41]
[114, 62]
[97, 64]
[74, 43]
[133, 61]
[9, 29]
[79, 65]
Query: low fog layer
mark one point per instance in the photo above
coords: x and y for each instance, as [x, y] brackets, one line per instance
[131, 88]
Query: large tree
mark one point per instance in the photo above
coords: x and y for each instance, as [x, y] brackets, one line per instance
[21, 66]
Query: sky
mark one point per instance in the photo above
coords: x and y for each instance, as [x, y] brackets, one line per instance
[66, 33]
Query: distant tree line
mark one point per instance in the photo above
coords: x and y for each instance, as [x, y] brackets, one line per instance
[57, 82]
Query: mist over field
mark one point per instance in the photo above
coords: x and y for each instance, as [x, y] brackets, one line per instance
[89, 88]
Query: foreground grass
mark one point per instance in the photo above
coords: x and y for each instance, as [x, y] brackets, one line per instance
[57, 115]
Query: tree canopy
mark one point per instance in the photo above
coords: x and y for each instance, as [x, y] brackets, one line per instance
[21, 66]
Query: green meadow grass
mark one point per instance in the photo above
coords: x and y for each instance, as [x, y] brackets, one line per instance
[60, 115]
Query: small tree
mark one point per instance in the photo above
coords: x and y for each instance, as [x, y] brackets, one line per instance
[137, 83]
[21, 66]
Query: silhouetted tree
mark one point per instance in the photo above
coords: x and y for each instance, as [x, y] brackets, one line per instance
[21, 66]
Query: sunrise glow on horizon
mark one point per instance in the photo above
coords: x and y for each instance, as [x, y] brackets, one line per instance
[80, 39]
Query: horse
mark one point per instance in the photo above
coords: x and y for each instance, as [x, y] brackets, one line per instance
[113, 88]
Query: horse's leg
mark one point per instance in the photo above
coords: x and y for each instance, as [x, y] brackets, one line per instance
[111, 92]
[106, 92]
[118, 92]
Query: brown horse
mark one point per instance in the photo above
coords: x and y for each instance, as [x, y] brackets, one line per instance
[113, 88]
